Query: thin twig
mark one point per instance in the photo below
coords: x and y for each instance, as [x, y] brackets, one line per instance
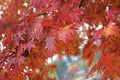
[6, 58]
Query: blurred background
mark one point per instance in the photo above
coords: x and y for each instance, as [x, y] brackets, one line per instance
[72, 68]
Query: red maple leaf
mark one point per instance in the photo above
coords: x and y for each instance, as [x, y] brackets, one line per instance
[98, 34]
[111, 29]
[26, 46]
[66, 35]
[20, 60]
[14, 61]
[37, 30]
[50, 45]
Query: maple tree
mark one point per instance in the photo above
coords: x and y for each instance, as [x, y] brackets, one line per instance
[31, 31]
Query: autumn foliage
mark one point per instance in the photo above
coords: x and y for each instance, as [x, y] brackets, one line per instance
[34, 30]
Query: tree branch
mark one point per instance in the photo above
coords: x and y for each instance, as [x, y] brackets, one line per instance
[81, 2]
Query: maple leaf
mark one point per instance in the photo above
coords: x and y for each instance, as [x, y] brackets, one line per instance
[98, 34]
[50, 45]
[26, 46]
[66, 35]
[15, 60]
[11, 62]
[20, 60]
[111, 29]
[18, 37]
[113, 14]
[37, 30]
[29, 45]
